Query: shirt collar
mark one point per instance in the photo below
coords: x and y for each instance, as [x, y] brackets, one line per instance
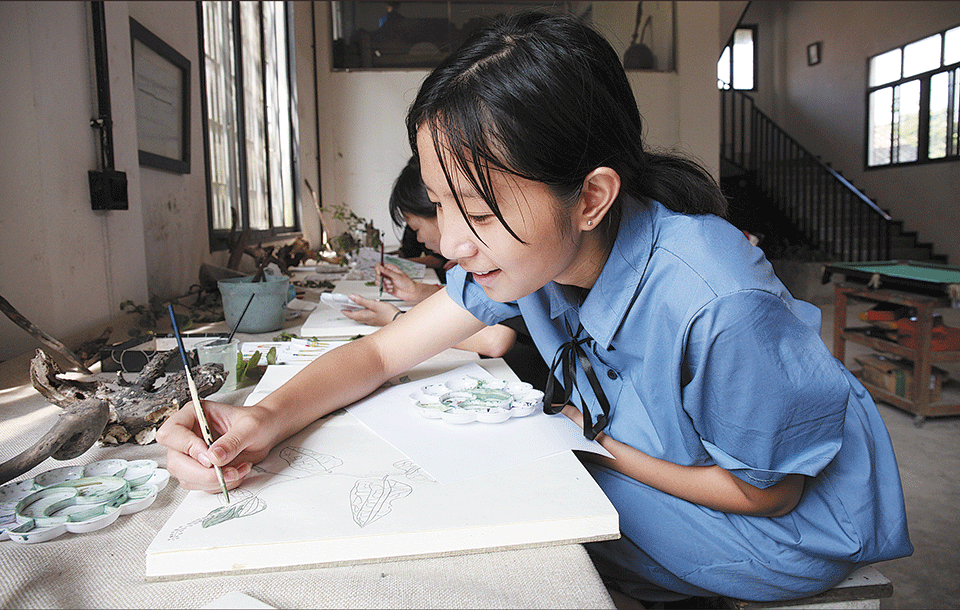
[615, 289]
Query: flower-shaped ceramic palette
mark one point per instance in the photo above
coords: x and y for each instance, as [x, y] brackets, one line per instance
[77, 499]
[467, 399]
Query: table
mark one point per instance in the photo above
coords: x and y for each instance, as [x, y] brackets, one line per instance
[105, 568]
[909, 276]
[924, 287]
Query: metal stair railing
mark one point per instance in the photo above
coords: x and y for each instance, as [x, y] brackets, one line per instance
[835, 216]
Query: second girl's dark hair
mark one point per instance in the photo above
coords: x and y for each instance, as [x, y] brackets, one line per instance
[409, 196]
[545, 97]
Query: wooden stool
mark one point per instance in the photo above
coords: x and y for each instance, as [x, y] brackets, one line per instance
[862, 589]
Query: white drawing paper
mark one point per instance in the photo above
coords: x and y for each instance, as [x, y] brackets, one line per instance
[294, 351]
[367, 259]
[324, 322]
[480, 449]
[337, 493]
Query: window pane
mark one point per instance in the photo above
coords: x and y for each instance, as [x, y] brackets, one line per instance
[221, 112]
[907, 120]
[723, 69]
[743, 59]
[921, 56]
[885, 68]
[939, 95]
[881, 127]
[253, 109]
[951, 46]
[945, 114]
[278, 124]
[953, 125]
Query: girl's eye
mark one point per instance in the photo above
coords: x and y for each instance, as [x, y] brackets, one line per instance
[480, 219]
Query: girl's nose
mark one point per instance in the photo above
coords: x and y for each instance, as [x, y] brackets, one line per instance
[456, 238]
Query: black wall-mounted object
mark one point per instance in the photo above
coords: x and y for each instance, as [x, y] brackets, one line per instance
[108, 190]
[108, 187]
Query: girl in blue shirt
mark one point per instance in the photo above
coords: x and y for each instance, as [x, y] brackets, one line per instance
[749, 462]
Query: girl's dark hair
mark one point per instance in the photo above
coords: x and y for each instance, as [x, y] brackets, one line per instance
[545, 97]
[409, 195]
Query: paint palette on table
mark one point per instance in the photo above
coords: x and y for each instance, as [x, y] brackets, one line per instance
[77, 499]
[468, 399]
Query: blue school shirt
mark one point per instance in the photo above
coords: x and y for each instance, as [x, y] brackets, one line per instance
[706, 359]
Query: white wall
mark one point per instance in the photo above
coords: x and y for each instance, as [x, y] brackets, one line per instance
[823, 106]
[65, 267]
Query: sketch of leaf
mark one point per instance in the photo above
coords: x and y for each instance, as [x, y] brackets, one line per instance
[175, 534]
[371, 499]
[238, 508]
[300, 458]
[412, 471]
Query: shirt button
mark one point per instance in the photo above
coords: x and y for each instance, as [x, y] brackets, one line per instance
[611, 374]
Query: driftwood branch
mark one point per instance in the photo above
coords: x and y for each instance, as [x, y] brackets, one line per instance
[17, 318]
[112, 413]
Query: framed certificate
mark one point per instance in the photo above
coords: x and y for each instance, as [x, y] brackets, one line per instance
[161, 80]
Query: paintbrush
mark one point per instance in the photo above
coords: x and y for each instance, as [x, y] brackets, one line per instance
[195, 397]
[380, 298]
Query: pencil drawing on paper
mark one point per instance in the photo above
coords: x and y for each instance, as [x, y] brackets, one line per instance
[371, 497]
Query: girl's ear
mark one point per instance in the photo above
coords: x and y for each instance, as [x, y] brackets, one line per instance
[600, 189]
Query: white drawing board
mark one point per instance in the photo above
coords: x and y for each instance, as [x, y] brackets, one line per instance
[337, 493]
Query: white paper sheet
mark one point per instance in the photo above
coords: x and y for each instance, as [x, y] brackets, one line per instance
[453, 452]
[367, 259]
[367, 290]
[295, 351]
[326, 322]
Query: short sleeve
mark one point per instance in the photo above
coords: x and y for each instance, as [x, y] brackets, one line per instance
[763, 392]
[471, 297]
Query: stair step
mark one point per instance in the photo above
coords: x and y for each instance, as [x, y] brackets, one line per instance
[913, 254]
[799, 222]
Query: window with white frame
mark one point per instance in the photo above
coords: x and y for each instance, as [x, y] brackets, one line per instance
[913, 102]
[737, 68]
[250, 114]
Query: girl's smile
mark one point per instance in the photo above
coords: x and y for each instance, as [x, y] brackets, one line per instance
[485, 279]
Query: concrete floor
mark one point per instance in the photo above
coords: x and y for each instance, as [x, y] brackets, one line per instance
[929, 461]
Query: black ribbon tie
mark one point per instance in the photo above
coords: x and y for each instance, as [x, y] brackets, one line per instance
[568, 354]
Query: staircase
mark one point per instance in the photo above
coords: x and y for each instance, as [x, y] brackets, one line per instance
[803, 208]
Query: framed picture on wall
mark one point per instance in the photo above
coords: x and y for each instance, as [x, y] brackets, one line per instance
[418, 35]
[813, 54]
[161, 81]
